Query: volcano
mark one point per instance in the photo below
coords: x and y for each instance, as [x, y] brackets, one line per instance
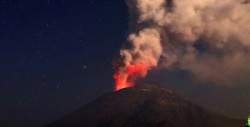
[146, 105]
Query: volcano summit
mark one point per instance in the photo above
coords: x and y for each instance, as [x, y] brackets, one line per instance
[146, 105]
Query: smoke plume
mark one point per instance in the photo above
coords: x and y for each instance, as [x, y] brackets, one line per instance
[210, 39]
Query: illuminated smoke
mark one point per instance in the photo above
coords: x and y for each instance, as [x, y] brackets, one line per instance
[210, 39]
[143, 53]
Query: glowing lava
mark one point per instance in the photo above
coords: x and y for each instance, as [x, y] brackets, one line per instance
[126, 77]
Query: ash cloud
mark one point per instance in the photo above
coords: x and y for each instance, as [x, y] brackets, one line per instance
[210, 39]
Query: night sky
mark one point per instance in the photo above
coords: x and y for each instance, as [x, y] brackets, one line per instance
[56, 56]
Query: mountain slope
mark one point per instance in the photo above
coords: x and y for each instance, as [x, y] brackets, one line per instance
[145, 105]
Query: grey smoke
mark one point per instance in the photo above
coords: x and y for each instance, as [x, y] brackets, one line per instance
[210, 39]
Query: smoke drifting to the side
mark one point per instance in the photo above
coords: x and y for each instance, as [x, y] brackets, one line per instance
[208, 38]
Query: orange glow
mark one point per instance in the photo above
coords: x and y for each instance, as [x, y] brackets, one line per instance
[127, 77]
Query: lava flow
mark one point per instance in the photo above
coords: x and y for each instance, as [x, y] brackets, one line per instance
[127, 77]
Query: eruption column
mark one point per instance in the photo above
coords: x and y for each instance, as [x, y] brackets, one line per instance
[140, 55]
[209, 39]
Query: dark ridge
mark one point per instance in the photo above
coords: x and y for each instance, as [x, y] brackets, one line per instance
[145, 105]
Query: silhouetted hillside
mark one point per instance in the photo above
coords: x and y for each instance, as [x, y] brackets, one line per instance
[146, 105]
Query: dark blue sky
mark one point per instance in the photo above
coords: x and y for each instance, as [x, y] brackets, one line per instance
[56, 56]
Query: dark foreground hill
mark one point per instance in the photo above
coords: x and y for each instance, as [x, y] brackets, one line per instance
[146, 105]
